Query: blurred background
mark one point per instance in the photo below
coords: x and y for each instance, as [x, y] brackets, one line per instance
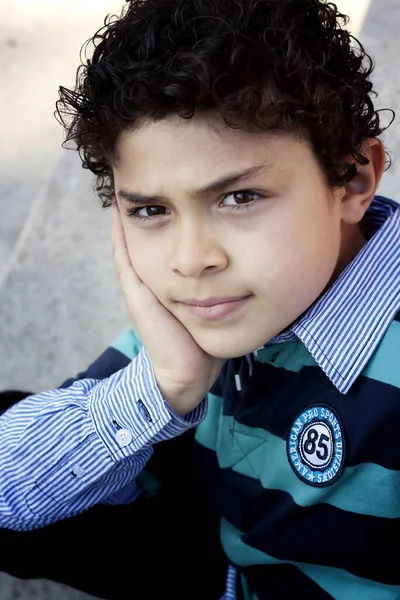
[59, 303]
[59, 300]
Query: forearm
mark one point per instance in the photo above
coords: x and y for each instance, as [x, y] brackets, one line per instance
[65, 450]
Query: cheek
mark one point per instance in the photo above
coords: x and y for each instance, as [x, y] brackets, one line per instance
[311, 260]
[297, 259]
[144, 258]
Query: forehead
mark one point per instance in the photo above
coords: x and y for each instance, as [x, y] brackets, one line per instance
[198, 150]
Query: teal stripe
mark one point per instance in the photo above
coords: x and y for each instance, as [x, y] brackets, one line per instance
[341, 584]
[149, 484]
[384, 364]
[207, 433]
[246, 591]
[128, 343]
[245, 450]
[291, 356]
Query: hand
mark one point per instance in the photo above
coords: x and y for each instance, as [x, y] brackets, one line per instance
[184, 372]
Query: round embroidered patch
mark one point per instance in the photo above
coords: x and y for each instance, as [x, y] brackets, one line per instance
[315, 446]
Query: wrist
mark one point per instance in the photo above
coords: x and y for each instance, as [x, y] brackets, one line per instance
[182, 402]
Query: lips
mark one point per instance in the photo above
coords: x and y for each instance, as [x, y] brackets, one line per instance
[212, 301]
[214, 309]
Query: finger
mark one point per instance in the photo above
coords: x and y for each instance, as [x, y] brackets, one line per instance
[131, 284]
[117, 230]
[120, 250]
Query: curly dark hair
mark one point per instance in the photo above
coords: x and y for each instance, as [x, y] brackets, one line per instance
[264, 65]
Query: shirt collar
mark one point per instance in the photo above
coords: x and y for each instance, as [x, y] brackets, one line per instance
[344, 327]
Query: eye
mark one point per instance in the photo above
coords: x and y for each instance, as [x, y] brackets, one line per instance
[237, 199]
[147, 212]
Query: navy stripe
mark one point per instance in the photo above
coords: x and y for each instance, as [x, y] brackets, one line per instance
[278, 582]
[320, 534]
[107, 364]
[370, 411]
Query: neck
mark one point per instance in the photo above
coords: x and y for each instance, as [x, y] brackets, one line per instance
[353, 240]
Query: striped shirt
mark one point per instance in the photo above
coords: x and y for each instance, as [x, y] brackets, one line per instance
[344, 327]
[65, 450]
[103, 430]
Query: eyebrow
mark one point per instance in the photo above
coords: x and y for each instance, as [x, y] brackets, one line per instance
[139, 199]
[220, 184]
[229, 180]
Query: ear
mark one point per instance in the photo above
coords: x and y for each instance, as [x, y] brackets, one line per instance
[359, 192]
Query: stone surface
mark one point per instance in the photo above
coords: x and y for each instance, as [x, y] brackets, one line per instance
[59, 301]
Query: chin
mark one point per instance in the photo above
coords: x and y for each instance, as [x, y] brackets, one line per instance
[226, 346]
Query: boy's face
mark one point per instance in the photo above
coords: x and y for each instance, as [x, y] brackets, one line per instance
[271, 240]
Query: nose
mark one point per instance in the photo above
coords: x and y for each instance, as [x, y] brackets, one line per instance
[197, 250]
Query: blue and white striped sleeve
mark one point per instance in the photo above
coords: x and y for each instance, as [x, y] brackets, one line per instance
[64, 450]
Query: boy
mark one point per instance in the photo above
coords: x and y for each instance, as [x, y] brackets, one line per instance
[237, 143]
